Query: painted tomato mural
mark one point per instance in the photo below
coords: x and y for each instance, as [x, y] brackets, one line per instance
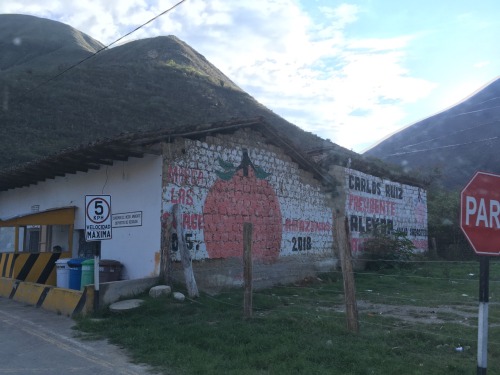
[242, 194]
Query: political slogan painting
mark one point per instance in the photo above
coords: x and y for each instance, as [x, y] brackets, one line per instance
[372, 201]
[220, 188]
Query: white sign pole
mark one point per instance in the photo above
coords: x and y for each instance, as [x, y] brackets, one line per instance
[96, 279]
[98, 227]
[482, 328]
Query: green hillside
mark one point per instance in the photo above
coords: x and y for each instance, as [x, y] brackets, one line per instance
[142, 85]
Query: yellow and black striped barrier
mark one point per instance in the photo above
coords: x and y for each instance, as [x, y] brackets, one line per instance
[7, 261]
[63, 301]
[36, 267]
[31, 278]
[33, 267]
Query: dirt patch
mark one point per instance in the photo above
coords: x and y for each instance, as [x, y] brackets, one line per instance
[466, 315]
[461, 314]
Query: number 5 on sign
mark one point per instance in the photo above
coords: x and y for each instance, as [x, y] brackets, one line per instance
[97, 217]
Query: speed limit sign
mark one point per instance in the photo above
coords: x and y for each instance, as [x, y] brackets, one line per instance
[98, 217]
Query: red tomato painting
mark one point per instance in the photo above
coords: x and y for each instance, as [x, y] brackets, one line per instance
[241, 194]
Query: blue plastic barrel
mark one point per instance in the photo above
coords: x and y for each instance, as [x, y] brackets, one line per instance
[75, 273]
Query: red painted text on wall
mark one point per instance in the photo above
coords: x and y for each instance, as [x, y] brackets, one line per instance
[371, 205]
[306, 226]
[185, 176]
[181, 196]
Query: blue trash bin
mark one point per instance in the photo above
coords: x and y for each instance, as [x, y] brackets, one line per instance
[75, 272]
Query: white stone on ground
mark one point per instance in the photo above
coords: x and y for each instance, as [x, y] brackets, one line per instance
[160, 290]
[179, 296]
[125, 305]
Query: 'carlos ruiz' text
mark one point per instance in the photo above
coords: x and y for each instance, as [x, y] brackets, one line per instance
[375, 187]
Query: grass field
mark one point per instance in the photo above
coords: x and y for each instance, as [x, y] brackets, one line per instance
[417, 320]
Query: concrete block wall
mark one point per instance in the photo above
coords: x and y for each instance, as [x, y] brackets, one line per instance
[216, 275]
[228, 179]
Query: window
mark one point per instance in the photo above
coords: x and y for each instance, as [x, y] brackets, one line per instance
[41, 232]
[87, 249]
[44, 238]
[32, 240]
[7, 239]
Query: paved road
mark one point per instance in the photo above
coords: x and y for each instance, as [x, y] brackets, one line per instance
[35, 341]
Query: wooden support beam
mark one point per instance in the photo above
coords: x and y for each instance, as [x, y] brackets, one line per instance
[343, 243]
[166, 244]
[247, 269]
[186, 261]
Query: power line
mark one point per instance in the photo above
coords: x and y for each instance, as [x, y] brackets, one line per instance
[476, 111]
[449, 134]
[104, 48]
[489, 100]
[442, 147]
[459, 131]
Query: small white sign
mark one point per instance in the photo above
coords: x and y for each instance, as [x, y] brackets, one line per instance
[98, 217]
[127, 219]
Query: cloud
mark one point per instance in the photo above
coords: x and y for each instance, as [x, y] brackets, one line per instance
[303, 66]
[350, 91]
[341, 15]
[482, 64]
[312, 73]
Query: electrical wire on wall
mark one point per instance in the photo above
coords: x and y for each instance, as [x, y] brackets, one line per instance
[106, 181]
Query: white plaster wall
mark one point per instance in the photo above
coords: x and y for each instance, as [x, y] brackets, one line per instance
[134, 185]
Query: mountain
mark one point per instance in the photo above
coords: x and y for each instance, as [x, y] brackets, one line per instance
[454, 143]
[60, 88]
[28, 42]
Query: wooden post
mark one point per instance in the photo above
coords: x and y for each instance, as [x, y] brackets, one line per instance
[247, 269]
[434, 249]
[341, 231]
[186, 261]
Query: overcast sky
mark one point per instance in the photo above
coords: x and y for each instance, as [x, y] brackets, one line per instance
[351, 71]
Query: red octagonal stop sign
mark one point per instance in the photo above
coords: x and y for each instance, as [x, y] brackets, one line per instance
[480, 213]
